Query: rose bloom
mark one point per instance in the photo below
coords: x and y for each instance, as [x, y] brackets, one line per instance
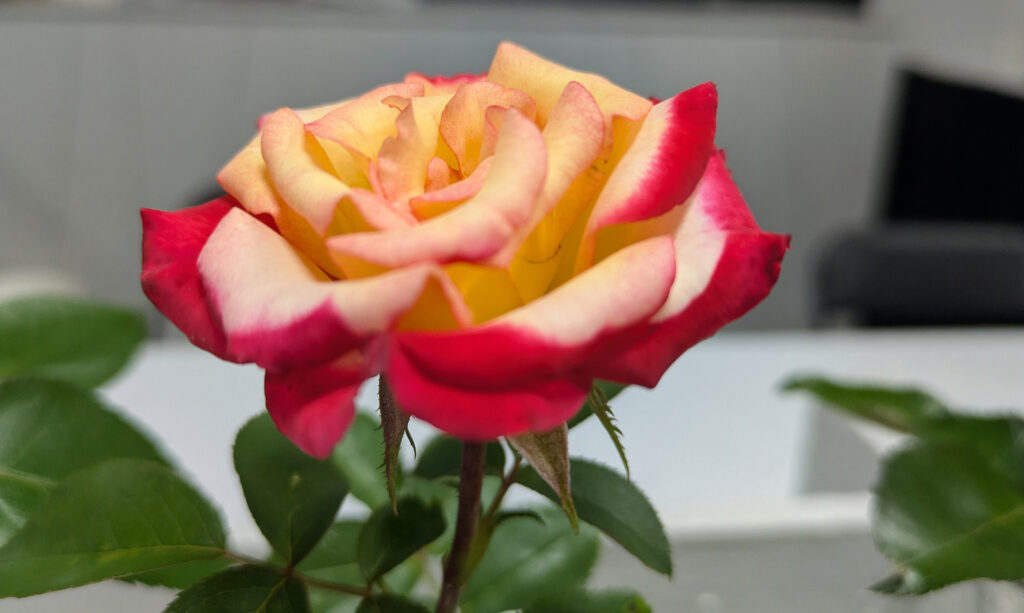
[491, 243]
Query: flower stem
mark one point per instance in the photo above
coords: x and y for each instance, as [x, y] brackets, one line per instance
[471, 481]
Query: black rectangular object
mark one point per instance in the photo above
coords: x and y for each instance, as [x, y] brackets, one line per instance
[958, 155]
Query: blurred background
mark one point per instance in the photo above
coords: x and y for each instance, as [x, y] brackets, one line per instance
[887, 136]
[837, 115]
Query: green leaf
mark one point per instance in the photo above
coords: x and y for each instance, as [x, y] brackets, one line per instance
[943, 514]
[526, 562]
[387, 539]
[337, 548]
[548, 455]
[442, 457]
[610, 391]
[293, 497]
[579, 600]
[113, 519]
[999, 439]
[49, 429]
[390, 603]
[608, 501]
[897, 408]
[244, 589]
[180, 576]
[600, 407]
[68, 339]
[358, 456]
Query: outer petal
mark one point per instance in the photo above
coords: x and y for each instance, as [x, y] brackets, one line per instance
[725, 266]
[660, 169]
[171, 243]
[554, 334]
[281, 312]
[313, 407]
[481, 226]
[479, 414]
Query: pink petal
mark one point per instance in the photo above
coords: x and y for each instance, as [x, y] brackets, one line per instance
[171, 243]
[725, 265]
[556, 333]
[280, 311]
[314, 406]
[473, 412]
[661, 168]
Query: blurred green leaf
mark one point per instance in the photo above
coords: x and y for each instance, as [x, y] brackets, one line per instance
[113, 519]
[1000, 439]
[49, 429]
[334, 559]
[442, 457]
[548, 455]
[608, 501]
[580, 600]
[609, 389]
[360, 457]
[387, 539]
[390, 603]
[244, 589]
[901, 409]
[68, 339]
[527, 562]
[944, 514]
[180, 576]
[292, 496]
[336, 549]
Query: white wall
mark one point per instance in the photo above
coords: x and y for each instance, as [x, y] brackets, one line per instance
[102, 112]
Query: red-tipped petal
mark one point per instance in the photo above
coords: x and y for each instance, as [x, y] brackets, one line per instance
[661, 168]
[314, 406]
[474, 413]
[171, 242]
[725, 266]
[280, 311]
[556, 333]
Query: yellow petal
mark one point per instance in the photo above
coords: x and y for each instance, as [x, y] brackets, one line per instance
[403, 159]
[489, 292]
[544, 81]
[463, 120]
[362, 125]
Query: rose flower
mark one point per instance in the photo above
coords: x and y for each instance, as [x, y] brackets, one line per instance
[491, 243]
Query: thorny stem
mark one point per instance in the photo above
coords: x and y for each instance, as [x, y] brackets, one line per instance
[308, 580]
[470, 483]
